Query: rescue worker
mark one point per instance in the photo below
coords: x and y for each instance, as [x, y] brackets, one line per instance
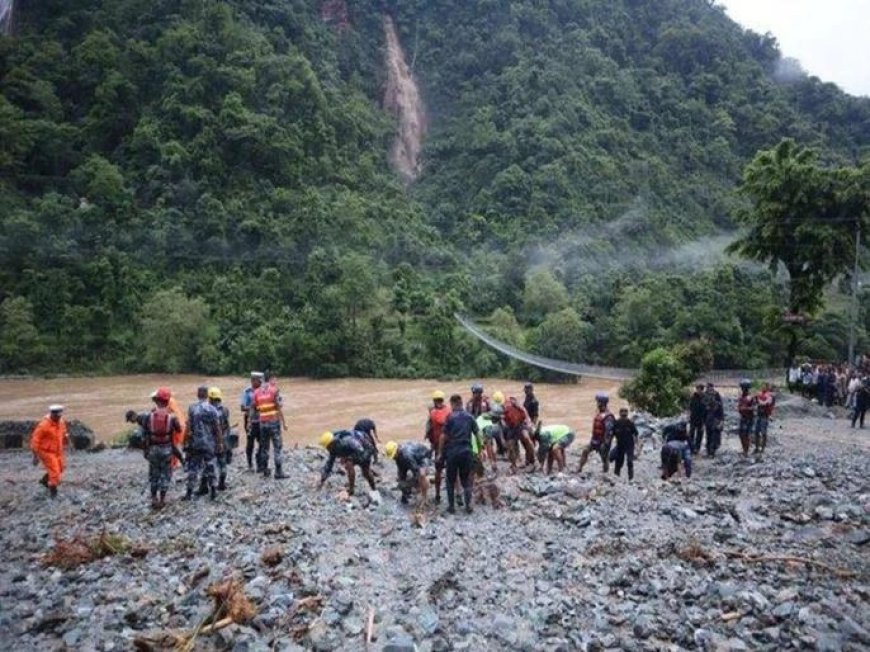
[532, 406]
[370, 430]
[457, 450]
[175, 409]
[489, 425]
[411, 457]
[676, 449]
[518, 430]
[626, 435]
[696, 418]
[714, 418]
[352, 450]
[438, 414]
[267, 401]
[862, 403]
[478, 403]
[764, 403]
[203, 442]
[552, 442]
[161, 430]
[251, 419]
[746, 410]
[602, 433]
[497, 405]
[47, 442]
[215, 397]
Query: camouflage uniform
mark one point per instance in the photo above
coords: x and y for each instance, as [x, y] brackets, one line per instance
[159, 467]
[159, 427]
[270, 429]
[201, 458]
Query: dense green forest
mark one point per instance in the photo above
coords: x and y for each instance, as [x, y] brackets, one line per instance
[205, 185]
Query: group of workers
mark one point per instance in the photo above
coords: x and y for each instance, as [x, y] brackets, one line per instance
[460, 439]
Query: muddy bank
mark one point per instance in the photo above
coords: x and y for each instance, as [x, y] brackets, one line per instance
[764, 555]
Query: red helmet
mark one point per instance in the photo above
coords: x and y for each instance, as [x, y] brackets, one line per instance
[163, 394]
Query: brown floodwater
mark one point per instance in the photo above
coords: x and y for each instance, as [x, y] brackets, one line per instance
[398, 407]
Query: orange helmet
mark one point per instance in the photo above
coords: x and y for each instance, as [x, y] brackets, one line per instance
[163, 394]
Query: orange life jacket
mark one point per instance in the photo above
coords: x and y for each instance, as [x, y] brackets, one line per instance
[598, 425]
[514, 415]
[160, 427]
[765, 402]
[438, 418]
[266, 403]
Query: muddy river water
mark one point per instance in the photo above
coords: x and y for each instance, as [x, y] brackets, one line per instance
[312, 406]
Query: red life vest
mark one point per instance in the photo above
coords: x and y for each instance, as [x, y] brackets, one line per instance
[160, 426]
[266, 403]
[514, 415]
[438, 417]
[765, 402]
[745, 405]
[598, 425]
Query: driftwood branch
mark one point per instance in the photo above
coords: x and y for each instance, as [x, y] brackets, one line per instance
[790, 559]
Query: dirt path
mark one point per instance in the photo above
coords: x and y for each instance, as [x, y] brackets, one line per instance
[397, 406]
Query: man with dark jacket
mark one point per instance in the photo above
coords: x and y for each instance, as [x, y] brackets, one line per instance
[714, 419]
[411, 458]
[457, 450]
[862, 402]
[696, 418]
[353, 449]
[625, 433]
[676, 450]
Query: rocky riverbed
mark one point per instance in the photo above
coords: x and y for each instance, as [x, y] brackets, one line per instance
[567, 563]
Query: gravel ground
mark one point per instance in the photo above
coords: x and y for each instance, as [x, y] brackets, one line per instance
[569, 562]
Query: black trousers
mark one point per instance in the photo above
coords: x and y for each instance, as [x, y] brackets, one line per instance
[625, 455]
[459, 465]
[696, 434]
[858, 416]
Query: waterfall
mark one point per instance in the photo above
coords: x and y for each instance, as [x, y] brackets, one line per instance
[402, 100]
[7, 7]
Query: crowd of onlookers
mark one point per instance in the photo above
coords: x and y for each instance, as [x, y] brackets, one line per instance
[830, 384]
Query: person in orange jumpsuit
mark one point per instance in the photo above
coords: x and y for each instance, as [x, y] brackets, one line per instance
[47, 443]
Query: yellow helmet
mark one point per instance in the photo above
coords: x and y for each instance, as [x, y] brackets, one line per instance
[326, 438]
[390, 449]
[498, 397]
[214, 393]
[438, 395]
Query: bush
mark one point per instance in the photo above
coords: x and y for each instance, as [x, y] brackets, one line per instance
[660, 386]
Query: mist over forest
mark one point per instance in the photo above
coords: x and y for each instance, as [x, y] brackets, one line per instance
[317, 187]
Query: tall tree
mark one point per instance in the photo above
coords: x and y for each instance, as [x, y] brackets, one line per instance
[804, 217]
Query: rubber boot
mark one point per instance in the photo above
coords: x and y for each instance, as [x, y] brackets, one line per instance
[212, 492]
[162, 502]
[203, 488]
[279, 472]
[155, 504]
[267, 472]
[44, 480]
[52, 491]
[222, 482]
[188, 495]
[468, 507]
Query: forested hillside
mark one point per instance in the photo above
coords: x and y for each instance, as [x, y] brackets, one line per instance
[204, 185]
